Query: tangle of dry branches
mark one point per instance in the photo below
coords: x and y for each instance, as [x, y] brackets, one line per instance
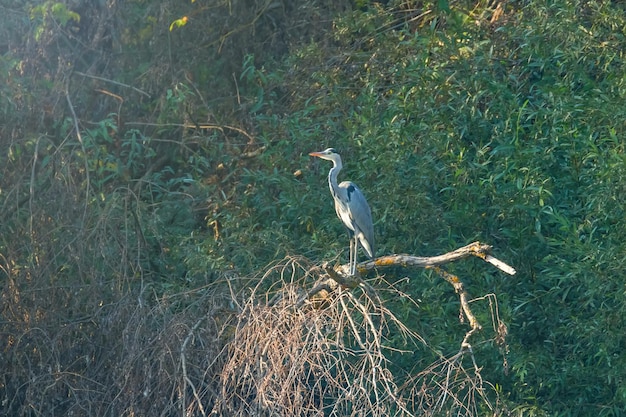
[326, 351]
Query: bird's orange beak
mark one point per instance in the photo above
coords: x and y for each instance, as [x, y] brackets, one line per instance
[318, 154]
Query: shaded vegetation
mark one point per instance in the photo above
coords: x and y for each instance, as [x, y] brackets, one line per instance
[149, 172]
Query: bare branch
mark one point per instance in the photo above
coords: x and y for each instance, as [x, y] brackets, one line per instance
[220, 128]
[459, 288]
[341, 277]
[447, 384]
[477, 249]
[112, 82]
[329, 359]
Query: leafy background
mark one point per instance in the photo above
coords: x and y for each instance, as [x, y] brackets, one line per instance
[142, 161]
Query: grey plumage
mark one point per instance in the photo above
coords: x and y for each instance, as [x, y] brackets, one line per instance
[351, 207]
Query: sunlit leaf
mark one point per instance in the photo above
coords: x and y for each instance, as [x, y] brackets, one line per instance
[179, 23]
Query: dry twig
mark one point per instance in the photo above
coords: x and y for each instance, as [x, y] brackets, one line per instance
[325, 351]
[287, 358]
[447, 382]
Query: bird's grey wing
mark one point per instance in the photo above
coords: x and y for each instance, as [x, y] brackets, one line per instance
[360, 214]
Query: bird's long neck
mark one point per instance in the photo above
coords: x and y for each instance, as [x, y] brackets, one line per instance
[332, 177]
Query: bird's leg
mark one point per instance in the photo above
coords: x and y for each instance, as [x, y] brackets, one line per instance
[355, 255]
[352, 255]
[350, 258]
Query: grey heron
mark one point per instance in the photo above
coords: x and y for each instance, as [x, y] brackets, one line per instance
[351, 207]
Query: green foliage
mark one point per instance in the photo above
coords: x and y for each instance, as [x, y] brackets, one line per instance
[57, 11]
[459, 124]
[508, 136]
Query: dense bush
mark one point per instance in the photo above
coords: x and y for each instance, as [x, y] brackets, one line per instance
[143, 162]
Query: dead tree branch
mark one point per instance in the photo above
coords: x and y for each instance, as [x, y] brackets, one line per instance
[339, 276]
[336, 278]
[477, 249]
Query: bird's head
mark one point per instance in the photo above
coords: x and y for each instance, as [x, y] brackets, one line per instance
[329, 154]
